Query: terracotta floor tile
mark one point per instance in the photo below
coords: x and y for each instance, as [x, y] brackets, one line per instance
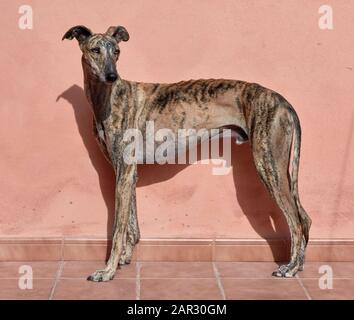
[163, 289]
[175, 253]
[40, 269]
[267, 289]
[9, 289]
[176, 280]
[176, 270]
[80, 289]
[246, 269]
[340, 269]
[82, 269]
[342, 289]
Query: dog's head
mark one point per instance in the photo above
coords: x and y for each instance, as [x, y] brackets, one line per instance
[100, 50]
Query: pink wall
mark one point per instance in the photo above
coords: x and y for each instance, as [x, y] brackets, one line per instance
[54, 181]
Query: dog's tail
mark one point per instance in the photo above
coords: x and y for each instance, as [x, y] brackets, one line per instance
[304, 218]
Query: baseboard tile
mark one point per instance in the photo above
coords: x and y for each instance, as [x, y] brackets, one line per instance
[53, 249]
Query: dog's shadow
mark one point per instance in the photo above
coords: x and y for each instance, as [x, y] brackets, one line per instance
[254, 200]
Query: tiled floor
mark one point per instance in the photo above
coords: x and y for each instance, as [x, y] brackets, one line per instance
[176, 280]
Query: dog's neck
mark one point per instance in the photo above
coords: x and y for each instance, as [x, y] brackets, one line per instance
[98, 94]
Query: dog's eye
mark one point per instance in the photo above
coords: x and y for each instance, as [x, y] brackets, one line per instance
[96, 50]
[116, 51]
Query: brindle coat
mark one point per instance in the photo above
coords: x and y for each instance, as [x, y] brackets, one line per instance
[262, 116]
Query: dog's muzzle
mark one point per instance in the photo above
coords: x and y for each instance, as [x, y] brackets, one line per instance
[111, 77]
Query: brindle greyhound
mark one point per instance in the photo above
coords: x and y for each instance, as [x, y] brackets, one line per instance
[261, 116]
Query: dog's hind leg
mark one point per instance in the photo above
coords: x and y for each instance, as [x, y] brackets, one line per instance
[271, 144]
[304, 217]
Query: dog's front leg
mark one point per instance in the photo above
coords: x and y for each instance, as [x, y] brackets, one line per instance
[125, 184]
[133, 233]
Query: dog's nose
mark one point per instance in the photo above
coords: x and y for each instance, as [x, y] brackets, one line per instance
[111, 77]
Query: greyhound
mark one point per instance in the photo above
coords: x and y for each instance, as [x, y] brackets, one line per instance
[260, 116]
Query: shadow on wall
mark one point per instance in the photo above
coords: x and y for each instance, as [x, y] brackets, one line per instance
[83, 116]
[256, 203]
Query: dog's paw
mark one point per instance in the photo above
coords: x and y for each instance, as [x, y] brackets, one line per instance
[127, 254]
[101, 275]
[286, 271]
[124, 260]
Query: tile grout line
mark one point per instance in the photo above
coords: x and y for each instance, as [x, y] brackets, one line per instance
[62, 249]
[57, 276]
[213, 250]
[218, 280]
[303, 287]
[60, 269]
[137, 281]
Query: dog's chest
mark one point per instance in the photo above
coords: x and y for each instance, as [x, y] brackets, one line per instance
[100, 134]
[104, 138]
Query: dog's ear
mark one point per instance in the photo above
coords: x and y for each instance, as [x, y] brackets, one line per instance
[81, 33]
[119, 33]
